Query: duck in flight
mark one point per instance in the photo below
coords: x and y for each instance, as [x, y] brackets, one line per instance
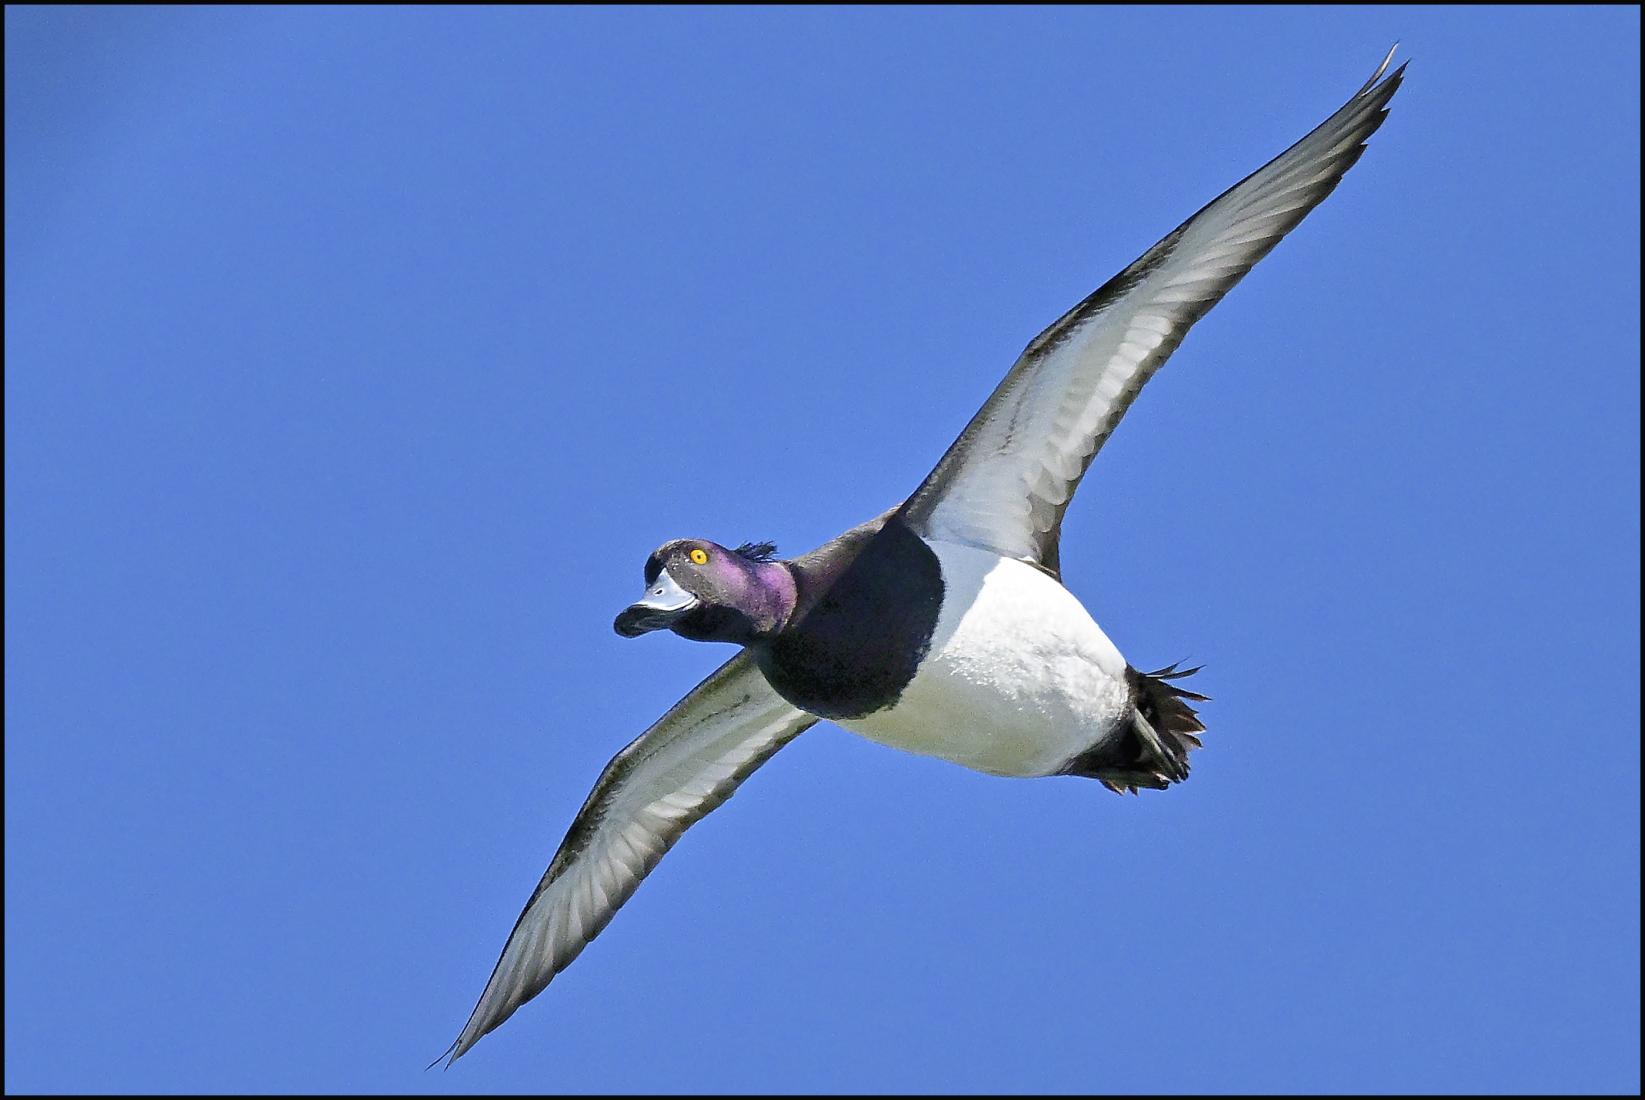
[940, 626]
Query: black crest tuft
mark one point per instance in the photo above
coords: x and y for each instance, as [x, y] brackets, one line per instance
[758, 551]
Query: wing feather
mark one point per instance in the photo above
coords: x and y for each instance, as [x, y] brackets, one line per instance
[1007, 480]
[665, 781]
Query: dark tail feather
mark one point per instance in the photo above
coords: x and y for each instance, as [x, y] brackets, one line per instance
[1153, 752]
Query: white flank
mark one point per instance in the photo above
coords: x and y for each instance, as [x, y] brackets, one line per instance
[1018, 679]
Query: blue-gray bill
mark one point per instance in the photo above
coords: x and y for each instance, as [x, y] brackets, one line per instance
[664, 604]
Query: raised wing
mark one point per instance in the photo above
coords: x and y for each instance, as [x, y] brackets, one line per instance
[1008, 478]
[652, 792]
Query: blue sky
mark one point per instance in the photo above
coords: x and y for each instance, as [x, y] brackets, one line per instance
[355, 360]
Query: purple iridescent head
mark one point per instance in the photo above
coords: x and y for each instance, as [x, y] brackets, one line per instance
[702, 591]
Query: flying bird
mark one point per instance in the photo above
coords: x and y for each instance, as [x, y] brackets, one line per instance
[940, 626]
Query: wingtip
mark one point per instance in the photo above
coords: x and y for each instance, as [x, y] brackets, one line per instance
[449, 1055]
[1382, 68]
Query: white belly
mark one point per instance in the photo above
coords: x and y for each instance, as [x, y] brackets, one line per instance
[1018, 679]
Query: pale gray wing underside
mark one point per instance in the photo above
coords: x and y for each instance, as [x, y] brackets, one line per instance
[685, 765]
[1005, 483]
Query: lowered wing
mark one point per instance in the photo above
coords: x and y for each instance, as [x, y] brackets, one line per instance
[652, 792]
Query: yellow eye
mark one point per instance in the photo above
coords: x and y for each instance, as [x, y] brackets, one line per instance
[699, 556]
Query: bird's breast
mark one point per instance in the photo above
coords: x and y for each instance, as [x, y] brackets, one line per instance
[865, 623]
